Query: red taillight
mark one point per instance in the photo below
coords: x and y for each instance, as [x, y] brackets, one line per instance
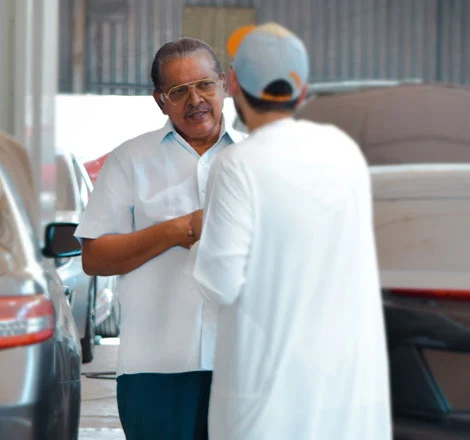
[456, 295]
[25, 320]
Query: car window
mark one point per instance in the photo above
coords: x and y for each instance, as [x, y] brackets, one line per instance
[18, 241]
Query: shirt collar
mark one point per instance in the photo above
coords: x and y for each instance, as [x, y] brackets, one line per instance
[167, 129]
[225, 129]
[235, 135]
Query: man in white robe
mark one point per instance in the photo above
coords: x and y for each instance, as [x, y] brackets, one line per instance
[288, 252]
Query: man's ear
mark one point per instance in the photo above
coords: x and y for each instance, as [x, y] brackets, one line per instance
[158, 99]
[223, 78]
[303, 95]
[234, 85]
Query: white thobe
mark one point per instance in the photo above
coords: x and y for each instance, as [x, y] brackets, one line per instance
[288, 253]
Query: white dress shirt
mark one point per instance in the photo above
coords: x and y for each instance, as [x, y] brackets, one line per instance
[287, 251]
[165, 326]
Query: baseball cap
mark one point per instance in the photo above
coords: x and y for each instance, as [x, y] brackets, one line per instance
[267, 53]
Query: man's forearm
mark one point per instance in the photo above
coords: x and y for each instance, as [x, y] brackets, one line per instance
[120, 254]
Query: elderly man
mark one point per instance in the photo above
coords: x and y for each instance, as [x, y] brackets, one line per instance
[137, 225]
[288, 251]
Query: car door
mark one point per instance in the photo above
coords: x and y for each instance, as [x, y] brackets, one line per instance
[43, 358]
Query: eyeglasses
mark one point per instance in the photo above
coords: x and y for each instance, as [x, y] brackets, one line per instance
[179, 93]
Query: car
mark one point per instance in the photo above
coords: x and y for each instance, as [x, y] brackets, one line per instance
[416, 139]
[317, 90]
[94, 166]
[40, 354]
[94, 300]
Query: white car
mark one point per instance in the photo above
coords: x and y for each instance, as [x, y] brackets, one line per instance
[94, 301]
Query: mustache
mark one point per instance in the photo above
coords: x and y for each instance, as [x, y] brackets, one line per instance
[200, 108]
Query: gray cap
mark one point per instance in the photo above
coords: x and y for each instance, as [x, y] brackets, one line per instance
[267, 53]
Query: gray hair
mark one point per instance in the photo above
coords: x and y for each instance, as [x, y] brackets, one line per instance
[180, 48]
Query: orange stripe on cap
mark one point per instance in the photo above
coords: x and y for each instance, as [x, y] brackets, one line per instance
[237, 37]
[278, 98]
[297, 79]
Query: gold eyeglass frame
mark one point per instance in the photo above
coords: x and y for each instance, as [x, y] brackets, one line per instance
[189, 84]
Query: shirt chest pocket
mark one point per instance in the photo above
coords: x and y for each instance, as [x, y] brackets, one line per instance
[159, 204]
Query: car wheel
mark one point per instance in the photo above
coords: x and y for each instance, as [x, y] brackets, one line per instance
[109, 328]
[88, 342]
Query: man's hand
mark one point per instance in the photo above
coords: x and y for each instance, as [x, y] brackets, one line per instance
[196, 223]
[119, 254]
[186, 235]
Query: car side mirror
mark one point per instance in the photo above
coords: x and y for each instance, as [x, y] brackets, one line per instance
[60, 241]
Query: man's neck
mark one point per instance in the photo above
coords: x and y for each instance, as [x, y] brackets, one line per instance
[201, 145]
[257, 120]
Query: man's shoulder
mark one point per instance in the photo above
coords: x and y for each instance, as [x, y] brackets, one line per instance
[235, 155]
[142, 141]
[322, 129]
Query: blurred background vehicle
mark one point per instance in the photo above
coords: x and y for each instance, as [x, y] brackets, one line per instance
[39, 344]
[326, 88]
[94, 300]
[416, 139]
[320, 89]
[94, 166]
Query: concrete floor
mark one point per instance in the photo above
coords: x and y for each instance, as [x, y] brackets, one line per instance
[100, 420]
[99, 415]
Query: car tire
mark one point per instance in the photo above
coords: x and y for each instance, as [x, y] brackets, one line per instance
[109, 328]
[88, 342]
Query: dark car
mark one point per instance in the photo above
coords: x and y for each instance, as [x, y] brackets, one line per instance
[416, 139]
[40, 355]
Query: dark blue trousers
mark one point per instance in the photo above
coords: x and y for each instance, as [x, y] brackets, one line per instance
[164, 406]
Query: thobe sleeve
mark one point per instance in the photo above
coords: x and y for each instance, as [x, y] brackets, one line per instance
[110, 208]
[224, 246]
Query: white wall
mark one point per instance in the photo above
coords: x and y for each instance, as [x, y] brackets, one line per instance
[90, 126]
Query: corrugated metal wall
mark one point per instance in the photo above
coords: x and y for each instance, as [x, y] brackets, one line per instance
[65, 46]
[347, 39]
